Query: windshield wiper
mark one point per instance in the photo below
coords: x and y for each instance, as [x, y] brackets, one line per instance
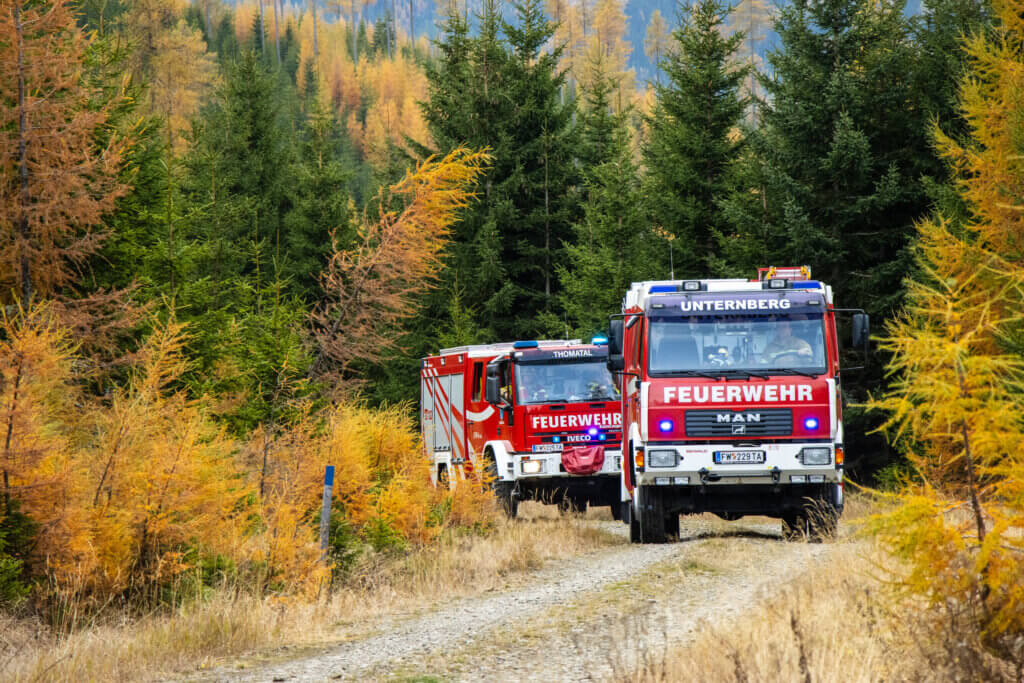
[791, 371]
[744, 373]
[694, 373]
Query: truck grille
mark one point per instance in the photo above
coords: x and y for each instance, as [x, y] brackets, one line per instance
[765, 422]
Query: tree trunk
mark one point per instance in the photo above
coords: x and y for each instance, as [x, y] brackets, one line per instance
[23, 228]
[263, 32]
[355, 33]
[547, 230]
[316, 51]
[277, 36]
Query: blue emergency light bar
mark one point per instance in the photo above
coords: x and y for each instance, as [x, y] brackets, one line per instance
[663, 289]
[809, 284]
[525, 345]
[599, 340]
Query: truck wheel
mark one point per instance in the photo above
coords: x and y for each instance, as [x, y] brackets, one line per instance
[794, 526]
[652, 515]
[817, 521]
[616, 511]
[672, 526]
[568, 505]
[503, 490]
[823, 520]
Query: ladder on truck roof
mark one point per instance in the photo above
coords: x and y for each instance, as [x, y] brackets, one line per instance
[502, 347]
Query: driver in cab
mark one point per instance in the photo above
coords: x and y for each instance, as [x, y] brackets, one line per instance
[785, 343]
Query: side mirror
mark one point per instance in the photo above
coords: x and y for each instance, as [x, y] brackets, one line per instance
[492, 390]
[616, 362]
[861, 331]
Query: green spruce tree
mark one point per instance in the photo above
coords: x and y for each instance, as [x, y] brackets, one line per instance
[613, 242]
[693, 146]
[833, 179]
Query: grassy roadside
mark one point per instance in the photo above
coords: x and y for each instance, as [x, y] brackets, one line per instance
[231, 623]
[839, 621]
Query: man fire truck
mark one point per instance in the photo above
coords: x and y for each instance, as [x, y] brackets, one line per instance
[541, 416]
[731, 401]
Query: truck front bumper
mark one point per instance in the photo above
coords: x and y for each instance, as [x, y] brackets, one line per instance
[531, 466]
[697, 465]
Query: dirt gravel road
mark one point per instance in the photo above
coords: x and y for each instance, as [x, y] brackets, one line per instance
[592, 618]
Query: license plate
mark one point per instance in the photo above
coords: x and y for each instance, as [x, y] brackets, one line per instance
[738, 457]
[547, 448]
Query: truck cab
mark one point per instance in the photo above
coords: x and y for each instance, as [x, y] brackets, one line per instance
[731, 401]
[541, 418]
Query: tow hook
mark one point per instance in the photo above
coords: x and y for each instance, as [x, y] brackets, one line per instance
[776, 477]
[516, 493]
[705, 477]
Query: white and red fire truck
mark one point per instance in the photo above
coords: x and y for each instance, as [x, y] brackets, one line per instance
[541, 416]
[731, 401]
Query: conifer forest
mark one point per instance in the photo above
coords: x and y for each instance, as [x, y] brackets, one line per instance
[229, 231]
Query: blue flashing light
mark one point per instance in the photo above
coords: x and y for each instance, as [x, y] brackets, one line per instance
[602, 437]
[556, 439]
[811, 423]
[663, 289]
[525, 345]
[665, 425]
[809, 284]
[593, 431]
[599, 340]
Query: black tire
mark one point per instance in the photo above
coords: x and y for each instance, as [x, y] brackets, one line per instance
[652, 515]
[794, 526]
[572, 505]
[817, 521]
[616, 509]
[672, 526]
[503, 490]
[634, 525]
[823, 520]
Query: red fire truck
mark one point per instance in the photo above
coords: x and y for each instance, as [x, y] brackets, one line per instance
[541, 416]
[731, 401]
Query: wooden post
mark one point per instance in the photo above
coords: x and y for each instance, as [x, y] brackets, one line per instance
[325, 514]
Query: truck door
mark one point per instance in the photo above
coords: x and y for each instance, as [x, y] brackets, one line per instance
[443, 413]
[427, 417]
[456, 393]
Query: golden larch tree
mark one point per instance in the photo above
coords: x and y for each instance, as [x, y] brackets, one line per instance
[369, 288]
[59, 162]
[656, 40]
[958, 394]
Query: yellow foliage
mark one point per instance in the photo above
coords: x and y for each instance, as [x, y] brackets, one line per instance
[132, 491]
[171, 57]
[958, 396]
[387, 89]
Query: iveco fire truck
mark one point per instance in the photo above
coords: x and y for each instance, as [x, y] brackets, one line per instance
[731, 401]
[541, 416]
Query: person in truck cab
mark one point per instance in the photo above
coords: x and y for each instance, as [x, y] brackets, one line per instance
[785, 343]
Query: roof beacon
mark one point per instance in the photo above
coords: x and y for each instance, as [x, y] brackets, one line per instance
[791, 273]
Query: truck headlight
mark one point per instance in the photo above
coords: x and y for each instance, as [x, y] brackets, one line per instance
[661, 458]
[816, 456]
[532, 466]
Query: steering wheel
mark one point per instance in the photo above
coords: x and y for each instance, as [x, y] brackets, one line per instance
[790, 358]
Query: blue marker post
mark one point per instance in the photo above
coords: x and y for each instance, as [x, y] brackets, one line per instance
[325, 514]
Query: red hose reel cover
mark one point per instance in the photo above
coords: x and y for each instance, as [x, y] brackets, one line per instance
[583, 459]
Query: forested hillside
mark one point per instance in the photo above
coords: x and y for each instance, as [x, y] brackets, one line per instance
[229, 232]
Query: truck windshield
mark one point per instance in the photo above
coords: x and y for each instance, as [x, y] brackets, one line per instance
[564, 382]
[737, 343]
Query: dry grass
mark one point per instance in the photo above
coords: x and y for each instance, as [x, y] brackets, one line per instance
[841, 621]
[232, 623]
[825, 626]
